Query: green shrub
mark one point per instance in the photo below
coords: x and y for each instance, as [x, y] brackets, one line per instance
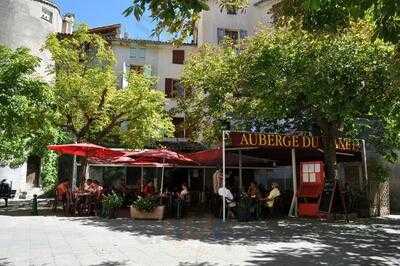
[112, 201]
[145, 204]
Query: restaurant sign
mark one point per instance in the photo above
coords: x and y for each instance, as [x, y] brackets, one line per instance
[267, 140]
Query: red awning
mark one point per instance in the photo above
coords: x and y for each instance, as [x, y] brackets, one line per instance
[213, 157]
[86, 150]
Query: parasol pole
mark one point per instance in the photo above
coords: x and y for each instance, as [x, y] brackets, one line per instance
[240, 171]
[141, 179]
[293, 205]
[162, 177]
[223, 176]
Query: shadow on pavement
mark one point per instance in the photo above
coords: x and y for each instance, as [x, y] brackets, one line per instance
[289, 241]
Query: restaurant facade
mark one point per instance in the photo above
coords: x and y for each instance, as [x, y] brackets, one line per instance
[246, 157]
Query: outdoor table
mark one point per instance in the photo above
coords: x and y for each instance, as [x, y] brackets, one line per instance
[84, 202]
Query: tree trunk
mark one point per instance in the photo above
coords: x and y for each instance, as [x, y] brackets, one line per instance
[329, 135]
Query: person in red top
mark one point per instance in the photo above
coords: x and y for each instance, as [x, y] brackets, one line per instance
[61, 193]
[149, 189]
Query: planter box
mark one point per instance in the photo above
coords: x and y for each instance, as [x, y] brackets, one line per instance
[156, 214]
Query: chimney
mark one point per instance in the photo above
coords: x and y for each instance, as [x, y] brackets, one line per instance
[68, 23]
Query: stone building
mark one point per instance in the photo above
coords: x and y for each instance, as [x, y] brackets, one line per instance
[27, 23]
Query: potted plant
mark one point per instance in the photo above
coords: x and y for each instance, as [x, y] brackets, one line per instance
[111, 203]
[147, 208]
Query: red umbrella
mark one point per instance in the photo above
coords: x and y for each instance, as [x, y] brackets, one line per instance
[86, 150]
[161, 156]
[126, 161]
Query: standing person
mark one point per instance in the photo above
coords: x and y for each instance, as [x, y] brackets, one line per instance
[253, 192]
[217, 180]
[215, 198]
[229, 200]
[62, 190]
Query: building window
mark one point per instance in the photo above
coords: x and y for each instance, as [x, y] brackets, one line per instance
[231, 11]
[173, 88]
[234, 35]
[179, 124]
[137, 53]
[137, 69]
[47, 15]
[178, 56]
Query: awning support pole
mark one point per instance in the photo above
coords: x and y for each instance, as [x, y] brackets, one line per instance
[87, 172]
[240, 171]
[74, 173]
[204, 185]
[162, 177]
[223, 176]
[293, 206]
[141, 179]
[364, 159]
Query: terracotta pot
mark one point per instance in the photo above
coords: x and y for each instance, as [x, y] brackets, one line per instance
[156, 214]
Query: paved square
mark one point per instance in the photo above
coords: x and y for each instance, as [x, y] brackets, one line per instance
[52, 240]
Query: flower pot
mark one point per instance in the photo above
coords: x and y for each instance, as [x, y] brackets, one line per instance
[156, 214]
[112, 213]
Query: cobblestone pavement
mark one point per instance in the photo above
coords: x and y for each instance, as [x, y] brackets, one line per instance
[52, 240]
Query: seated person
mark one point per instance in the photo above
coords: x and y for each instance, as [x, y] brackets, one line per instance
[229, 200]
[96, 188]
[87, 185]
[273, 194]
[253, 191]
[149, 189]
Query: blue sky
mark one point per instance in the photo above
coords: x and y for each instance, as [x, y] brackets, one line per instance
[106, 12]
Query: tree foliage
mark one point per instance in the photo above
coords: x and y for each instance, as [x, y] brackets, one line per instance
[333, 15]
[25, 107]
[91, 107]
[289, 74]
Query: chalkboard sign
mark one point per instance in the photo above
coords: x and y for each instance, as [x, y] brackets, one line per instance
[327, 196]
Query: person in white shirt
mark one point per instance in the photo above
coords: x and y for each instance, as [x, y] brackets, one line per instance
[273, 194]
[184, 192]
[229, 200]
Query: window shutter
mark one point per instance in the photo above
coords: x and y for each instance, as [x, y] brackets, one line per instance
[141, 53]
[168, 88]
[243, 34]
[178, 56]
[147, 70]
[132, 52]
[220, 34]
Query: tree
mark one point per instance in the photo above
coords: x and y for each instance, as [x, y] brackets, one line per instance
[90, 105]
[333, 15]
[289, 74]
[26, 107]
[176, 17]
